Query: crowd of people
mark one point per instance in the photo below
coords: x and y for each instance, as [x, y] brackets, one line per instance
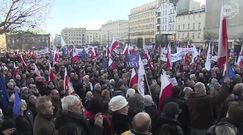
[103, 102]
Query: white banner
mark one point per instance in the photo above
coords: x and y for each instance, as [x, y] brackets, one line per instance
[186, 50]
[174, 57]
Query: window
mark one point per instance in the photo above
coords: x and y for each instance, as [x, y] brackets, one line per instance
[199, 26]
[193, 26]
[178, 36]
[183, 26]
[188, 27]
[193, 36]
[199, 35]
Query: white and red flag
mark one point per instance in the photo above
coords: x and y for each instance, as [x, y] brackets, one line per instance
[141, 73]
[133, 79]
[114, 45]
[126, 50]
[75, 55]
[15, 70]
[36, 71]
[56, 57]
[165, 90]
[22, 61]
[68, 87]
[51, 73]
[223, 49]
[168, 57]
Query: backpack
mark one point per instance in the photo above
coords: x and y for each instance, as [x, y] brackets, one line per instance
[167, 129]
[211, 130]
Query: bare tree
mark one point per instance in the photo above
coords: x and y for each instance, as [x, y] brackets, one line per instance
[22, 14]
[210, 36]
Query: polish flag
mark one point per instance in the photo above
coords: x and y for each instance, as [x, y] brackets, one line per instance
[150, 62]
[107, 50]
[37, 72]
[168, 57]
[126, 50]
[165, 90]
[68, 86]
[208, 59]
[15, 70]
[240, 59]
[133, 79]
[92, 53]
[223, 49]
[22, 61]
[75, 55]
[56, 57]
[141, 73]
[51, 74]
[114, 45]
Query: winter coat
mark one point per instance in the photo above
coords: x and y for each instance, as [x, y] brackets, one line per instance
[67, 121]
[43, 125]
[183, 117]
[163, 120]
[120, 123]
[201, 108]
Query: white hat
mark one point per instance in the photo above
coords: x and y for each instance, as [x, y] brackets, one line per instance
[130, 92]
[117, 103]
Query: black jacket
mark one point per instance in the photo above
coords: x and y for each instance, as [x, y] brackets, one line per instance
[120, 123]
[69, 122]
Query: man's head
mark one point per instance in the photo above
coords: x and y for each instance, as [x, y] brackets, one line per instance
[141, 123]
[238, 89]
[200, 88]
[44, 105]
[72, 103]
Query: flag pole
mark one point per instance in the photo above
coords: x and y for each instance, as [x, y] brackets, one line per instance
[148, 85]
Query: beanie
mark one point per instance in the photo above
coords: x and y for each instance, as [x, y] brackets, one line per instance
[117, 103]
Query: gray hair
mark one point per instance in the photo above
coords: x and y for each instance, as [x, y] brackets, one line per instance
[69, 101]
[238, 89]
[225, 130]
[200, 88]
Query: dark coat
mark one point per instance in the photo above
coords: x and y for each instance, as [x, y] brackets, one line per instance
[70, 121]
[161, 120]
[201, 108]
[43, 125]
[184, 117]
[23, 126]
[120, 123]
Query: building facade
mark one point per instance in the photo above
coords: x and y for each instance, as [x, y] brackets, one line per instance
[93, 37]
[191, 26]
[3, 44]
[74, 36]
[233, 10]
[114, 29]
[166, 21]
[27, 40]
[142, 24]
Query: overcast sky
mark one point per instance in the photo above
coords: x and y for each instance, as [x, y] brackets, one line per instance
[88, 13]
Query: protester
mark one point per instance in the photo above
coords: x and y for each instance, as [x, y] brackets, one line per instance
[119, 107]
[44, 124]
[201, 98]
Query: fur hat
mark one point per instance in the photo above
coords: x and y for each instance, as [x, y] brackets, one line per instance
[117, 103]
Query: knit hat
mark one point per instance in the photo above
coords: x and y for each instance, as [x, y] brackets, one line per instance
[117, 103]
[130, 92]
